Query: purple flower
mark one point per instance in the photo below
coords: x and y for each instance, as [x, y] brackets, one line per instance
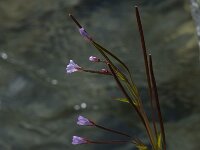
[94, 59]
[84, 121]
[85, 34]
[78, 140]
[72, 67]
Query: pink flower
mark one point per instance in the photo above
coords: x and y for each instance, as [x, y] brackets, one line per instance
[84, 121]
[78, 140]
[72, 67]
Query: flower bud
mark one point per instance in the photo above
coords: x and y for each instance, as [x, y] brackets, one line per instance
[94, 59]
[72, 67]
[84, 121]
[85, 35]
[78, 140]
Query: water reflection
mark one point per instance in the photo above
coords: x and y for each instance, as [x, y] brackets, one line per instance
[54, 82]
[77, 107]
[3, 55]
[83, 105]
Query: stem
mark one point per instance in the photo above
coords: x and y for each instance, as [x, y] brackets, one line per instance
[111, 130]
[133, 140]
[157, 102]
[109, 142]
[75, 21]
[98, 72]
[146, 66]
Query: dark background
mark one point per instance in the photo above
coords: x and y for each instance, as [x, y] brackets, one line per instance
[39, 102]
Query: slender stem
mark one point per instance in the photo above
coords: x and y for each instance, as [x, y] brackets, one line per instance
[147, 125]
[75, 21]
[110, 142]
[133, 140]
[111, 130]
[157, 101]
[98, 72]
[146, 66]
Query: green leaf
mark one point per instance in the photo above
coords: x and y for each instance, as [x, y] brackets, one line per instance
[142, 147]
[122, 100]
[125, 100]
[120, 75]
[159, 141]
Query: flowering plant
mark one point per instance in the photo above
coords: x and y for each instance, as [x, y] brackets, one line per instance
[123, 78]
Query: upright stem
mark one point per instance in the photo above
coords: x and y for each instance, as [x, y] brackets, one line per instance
[146, 66]
[76, 22]
[157, 102]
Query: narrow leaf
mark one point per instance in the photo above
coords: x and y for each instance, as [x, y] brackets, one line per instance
[122, 100]
[121, 77]
[159, 141]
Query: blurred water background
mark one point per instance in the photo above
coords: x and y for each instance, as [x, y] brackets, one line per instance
[39, 103]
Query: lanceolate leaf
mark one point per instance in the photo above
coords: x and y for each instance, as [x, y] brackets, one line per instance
[122, 100]
[120, 75]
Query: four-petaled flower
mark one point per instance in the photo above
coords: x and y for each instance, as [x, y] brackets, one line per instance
[72, 67]
[94, 59]
[84, 121]
[79, 140]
